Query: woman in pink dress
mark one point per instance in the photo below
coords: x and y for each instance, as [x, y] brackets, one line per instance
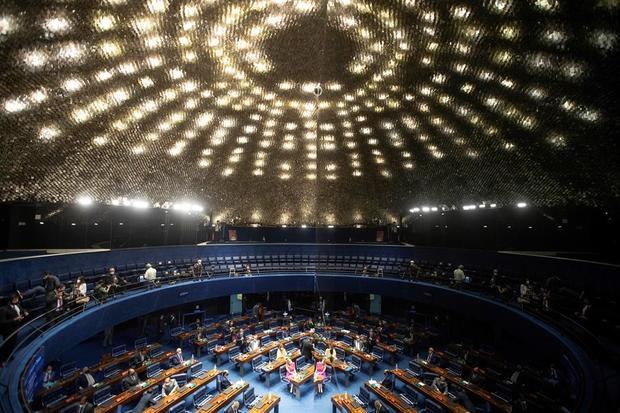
[290, 372]
[319, 376]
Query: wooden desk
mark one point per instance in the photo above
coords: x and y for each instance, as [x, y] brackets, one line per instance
[106, 361]
[274, 366]
[471, 387]
[267, 403]
[337, 365]
[88, 392]
[165, 402]
[222, 399]
[136, 392]
[390, 398]
[344, 402]
[365, 357]
[244, 358]
[300, 378]
[204, 342]
[428, 391]
[221, 350]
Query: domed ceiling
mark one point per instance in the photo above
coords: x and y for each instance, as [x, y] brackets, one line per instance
[325, 111]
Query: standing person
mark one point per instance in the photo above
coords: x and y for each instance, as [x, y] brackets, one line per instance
[80, 291]
[459, 275]
[290, 372]
[319, 376]
[108, 336]
[12, 316]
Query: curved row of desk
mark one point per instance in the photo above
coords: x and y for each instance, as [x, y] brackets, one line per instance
[545, 339]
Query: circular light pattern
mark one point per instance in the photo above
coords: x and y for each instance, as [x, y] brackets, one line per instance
[309, 108]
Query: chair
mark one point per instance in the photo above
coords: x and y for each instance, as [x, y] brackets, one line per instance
[102, 395]
[201, 397]
[178, 408]
[363, 398]
[415, 368]
[257, 365]
[233, 353]
[329, 372]
[111, 371]
[378, 353]
[282, 372]
[72, 408]
[273, 354]
[68, 369]
[180, 378]
[321, 347]
[340, 354]
[432, 407]
[356, 364]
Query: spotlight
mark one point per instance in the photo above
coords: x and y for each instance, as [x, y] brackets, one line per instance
[330, 226]
[521, 205]
[304, 226]
[85, 200]
[140, 204]
[469, 207]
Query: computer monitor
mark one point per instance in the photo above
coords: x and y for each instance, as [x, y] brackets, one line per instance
[153, 370]
[195, 369]
[248, 396]
[119, 350]
[68, 369]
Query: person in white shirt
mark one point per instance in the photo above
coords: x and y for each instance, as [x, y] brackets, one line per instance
[150, 275]
[459, 275]
[170, 386]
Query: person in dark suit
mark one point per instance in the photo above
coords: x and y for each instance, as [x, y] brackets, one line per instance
[147, 396]
[463, 398]
[224, 381]
[131, 380]
[86, 379]
[177, 358]
[139, 358]
[379, 407]
[233, 408]
[306, 350]
[12, 316]
[85, 406]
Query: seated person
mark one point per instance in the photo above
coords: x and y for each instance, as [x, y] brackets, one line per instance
[463, 398]
[253, 343]
[177, 358]
[388, 380]
[440, 384]
[170, 386]
[477, 376]
[224, 380]
[233, 408]
[49, 376]
[379, 407]
[131, 380]
[139, 358]
[281, 352]
[84, 406]
[86, 379]
[330, 354]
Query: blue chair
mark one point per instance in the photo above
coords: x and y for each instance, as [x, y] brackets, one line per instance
[68, 369]
[140, 343]
[111, 371]
[72, 408]
[233, 353]
[201, 397]
[415, 369]
[102, 395]
[257, 365]
[283, 378]
[363, 398]
[378, 353]
[320, 346]
[356, 364]
[178, 408]
[273, 354]
[432, 407]
[180, 378]
[340, 354]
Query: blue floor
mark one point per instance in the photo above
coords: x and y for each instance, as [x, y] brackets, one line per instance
[89, 353]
